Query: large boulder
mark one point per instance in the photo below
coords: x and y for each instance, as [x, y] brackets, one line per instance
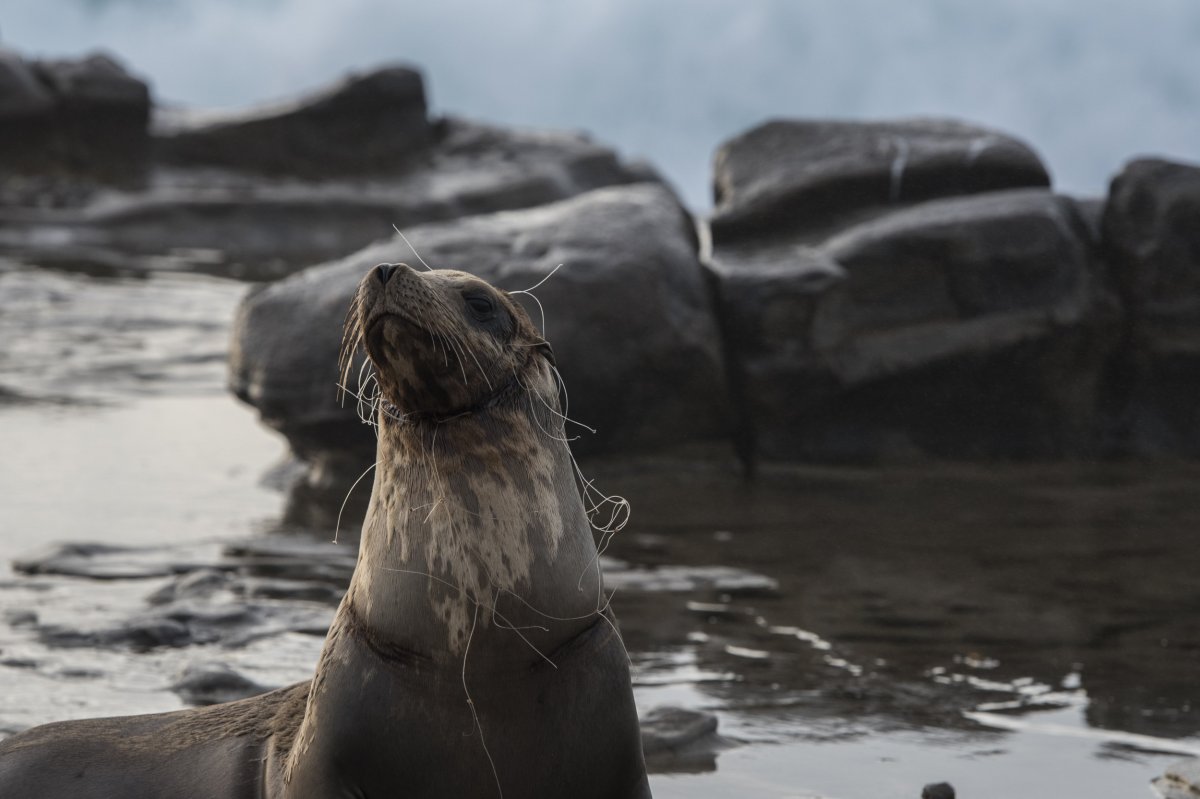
[628, 314]
[1151, 232]
[365, 124]
[86, 116]
[969, 327]
[789, 177]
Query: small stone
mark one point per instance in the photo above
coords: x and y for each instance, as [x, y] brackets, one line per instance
[212, 684]
[938, 790]
[1181, 781]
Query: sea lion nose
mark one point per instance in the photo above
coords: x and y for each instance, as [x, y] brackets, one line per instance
[384, 272]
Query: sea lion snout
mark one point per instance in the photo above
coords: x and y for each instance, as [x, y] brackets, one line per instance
[443, 342]
[384, 272]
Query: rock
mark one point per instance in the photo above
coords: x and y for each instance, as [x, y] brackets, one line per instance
[212, 684]
[974, 327]
[1151, 233]
[22, 95]
[27, 129]
[98, 561]
[679, 740]
[262, 227]
[787, 176]
[938, 790]
[140, 634]
[365, 124]
[20, 617]
[199, 584]
[628, 314]
[1181, 781]
[103, 116]
[85, 116]
[230, 624]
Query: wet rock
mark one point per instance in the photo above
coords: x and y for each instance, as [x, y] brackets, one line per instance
[263, 227]
[1152, 241]
[140, 634]
[365, 124]
[282, 560]
[212, 684]
[84, 116]
[1181, 781]
[22, 94]
[257, 193]
[973, 327]
[290, 590]
[938, 790]
[19, 663]
[99, 562]
[231, 624]
[680, 740]
[199, 584]
[787, 176]
[628, 315]
[19, 617]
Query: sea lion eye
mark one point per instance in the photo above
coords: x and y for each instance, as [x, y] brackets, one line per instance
[480, 305]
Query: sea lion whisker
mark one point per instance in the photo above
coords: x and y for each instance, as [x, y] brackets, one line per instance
[566, 411]
[471, 702]
[498, 617]
[508, 625]
[548, 407]
[458, 356]
[478, 365]
[338, 527]
[411, 247]
[538, 285]
[529, 293]
[541, 310]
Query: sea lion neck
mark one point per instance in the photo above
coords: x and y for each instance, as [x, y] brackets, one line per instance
[476, 527]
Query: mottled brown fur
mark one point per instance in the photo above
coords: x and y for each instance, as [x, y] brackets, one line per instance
[471, 655]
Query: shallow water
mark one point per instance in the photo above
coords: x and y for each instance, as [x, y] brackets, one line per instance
[1017, 631]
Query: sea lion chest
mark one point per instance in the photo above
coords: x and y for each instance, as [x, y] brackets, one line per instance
[542, 730]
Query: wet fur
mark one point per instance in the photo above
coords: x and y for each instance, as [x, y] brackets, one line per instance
[472, 654]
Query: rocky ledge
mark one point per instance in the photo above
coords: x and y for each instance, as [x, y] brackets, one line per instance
[861, 292]
[255, 193]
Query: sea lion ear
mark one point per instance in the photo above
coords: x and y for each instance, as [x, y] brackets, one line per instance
[547, 351]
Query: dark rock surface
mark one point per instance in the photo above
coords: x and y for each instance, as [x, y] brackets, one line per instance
[1181, 781]
[938, 790]
[255, 194]
[891, 289]
[787, 176]
[1151, 229]
[214, 683]
[677, 740]
[976, 327]
[365, 124]
[85, 116]
[628, 314]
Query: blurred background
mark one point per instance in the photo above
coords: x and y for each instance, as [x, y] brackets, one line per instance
[1090, 84]
[907, 413]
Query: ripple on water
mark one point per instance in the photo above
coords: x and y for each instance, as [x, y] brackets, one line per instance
[74, 338]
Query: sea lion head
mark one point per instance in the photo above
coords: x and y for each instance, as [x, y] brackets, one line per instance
[445, 343]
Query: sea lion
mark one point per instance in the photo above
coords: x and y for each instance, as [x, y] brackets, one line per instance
[472, 655]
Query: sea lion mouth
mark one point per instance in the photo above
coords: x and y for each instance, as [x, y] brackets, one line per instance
[373, 337]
